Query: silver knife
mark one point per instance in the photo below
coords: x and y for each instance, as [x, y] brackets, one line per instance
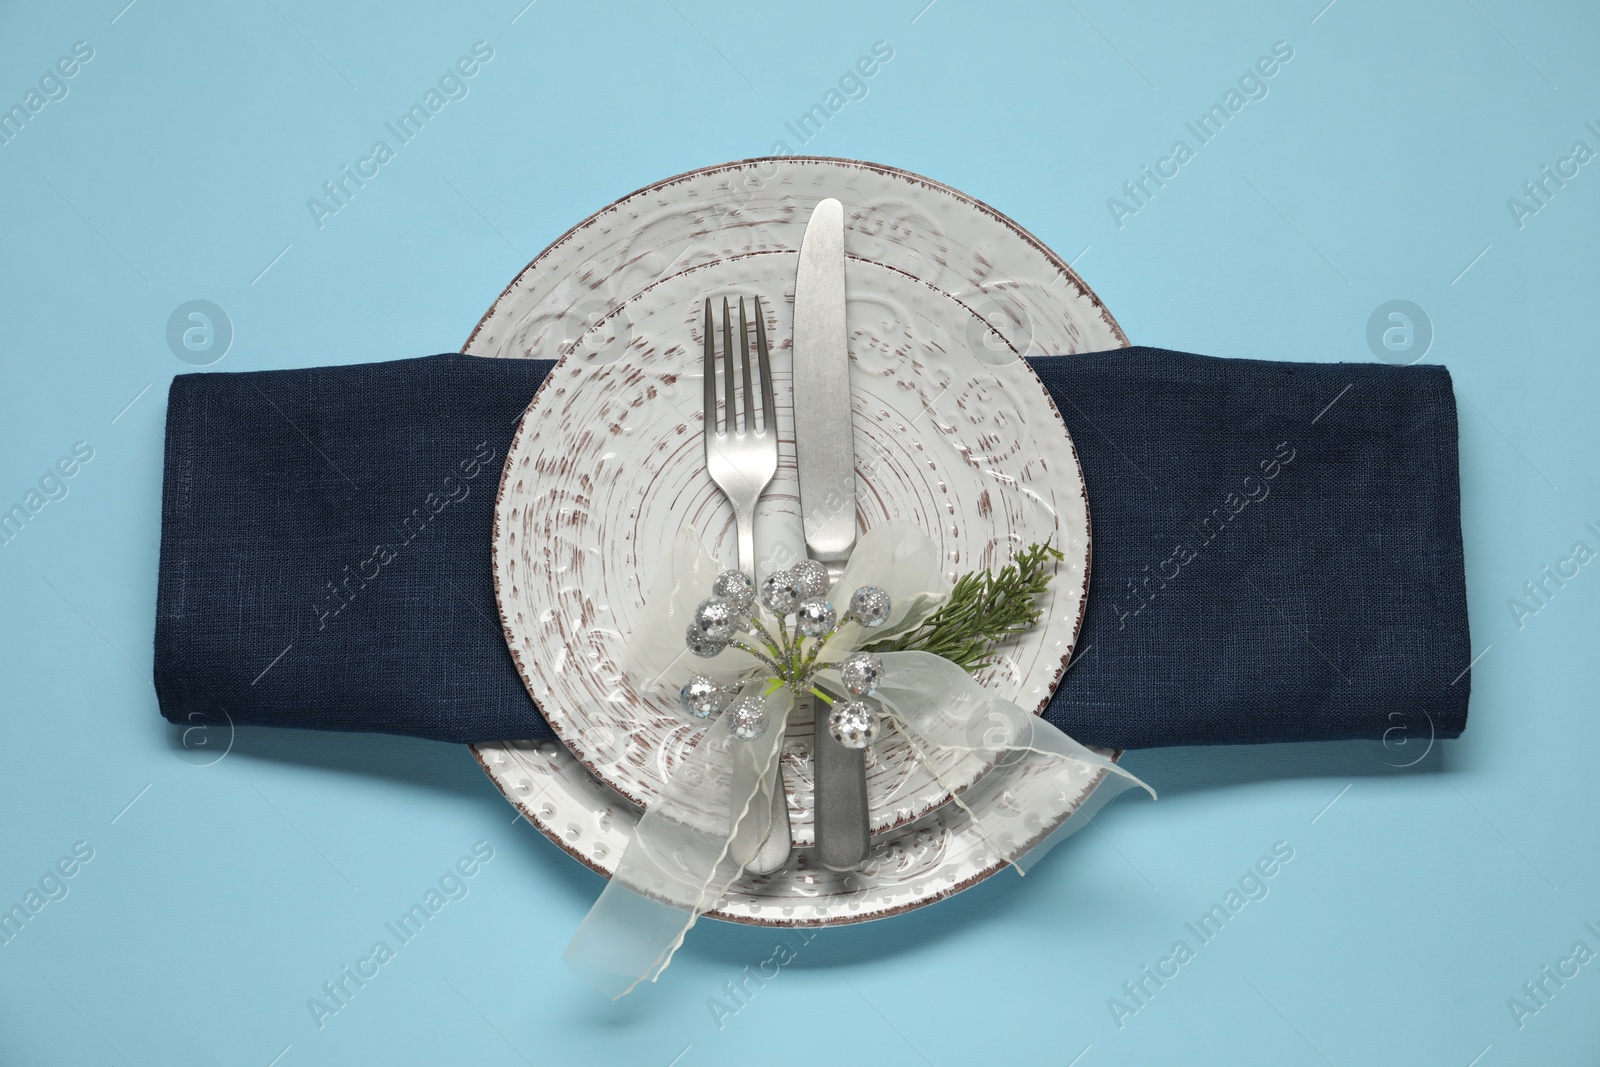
[825, 453]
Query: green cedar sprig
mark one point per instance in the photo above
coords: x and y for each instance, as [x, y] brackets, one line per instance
[984, 609]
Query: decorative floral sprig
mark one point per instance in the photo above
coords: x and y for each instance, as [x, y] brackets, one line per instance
[732, 617]
[984, 609]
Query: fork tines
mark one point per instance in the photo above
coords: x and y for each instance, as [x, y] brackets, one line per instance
[734, 420]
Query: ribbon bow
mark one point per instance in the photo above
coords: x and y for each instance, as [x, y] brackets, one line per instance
[729, 653]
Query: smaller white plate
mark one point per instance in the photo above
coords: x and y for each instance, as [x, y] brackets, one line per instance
[608, 465]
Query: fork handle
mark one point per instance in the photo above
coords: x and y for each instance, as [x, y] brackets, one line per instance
[746, 522]
[757, 854]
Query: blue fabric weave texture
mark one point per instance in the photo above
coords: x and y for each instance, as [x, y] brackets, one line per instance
[1276, 550]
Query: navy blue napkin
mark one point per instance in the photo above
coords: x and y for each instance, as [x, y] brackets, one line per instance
[1277, 550]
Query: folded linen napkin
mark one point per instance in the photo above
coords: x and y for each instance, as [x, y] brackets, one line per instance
[1276, 549]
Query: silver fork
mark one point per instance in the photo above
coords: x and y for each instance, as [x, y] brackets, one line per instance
[741, 458]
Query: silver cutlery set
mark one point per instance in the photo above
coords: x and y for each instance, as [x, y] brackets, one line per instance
[742, 457]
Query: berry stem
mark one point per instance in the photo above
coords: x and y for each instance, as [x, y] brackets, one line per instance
[816, 650]
[773, 645]
[736, 643]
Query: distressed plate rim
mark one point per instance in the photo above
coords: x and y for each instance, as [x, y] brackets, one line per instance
[1079, 290]
[568, 728]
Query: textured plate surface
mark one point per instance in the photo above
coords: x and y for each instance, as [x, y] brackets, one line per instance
[953, 432]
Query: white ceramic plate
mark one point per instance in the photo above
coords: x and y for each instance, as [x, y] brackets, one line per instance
[953, 432]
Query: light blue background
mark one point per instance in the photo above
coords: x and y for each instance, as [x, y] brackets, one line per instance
[221, 897]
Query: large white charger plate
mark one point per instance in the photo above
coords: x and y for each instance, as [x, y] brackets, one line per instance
[953, 430]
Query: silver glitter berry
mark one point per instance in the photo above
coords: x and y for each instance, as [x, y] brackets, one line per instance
[737, 588]
[862, 673]
[853, 724]
[869, 606]
[715, 618]
[814, 618]
[747, 718]
[810, 578]
[701, 645]
[778, 593]
[702, 698]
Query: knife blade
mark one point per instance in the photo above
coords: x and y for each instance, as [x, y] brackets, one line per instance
[825, 455]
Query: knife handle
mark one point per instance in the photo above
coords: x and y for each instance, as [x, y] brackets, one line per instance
[841, 792]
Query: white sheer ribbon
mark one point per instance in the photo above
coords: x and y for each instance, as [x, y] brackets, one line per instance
[962, 732]
[677, 865]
